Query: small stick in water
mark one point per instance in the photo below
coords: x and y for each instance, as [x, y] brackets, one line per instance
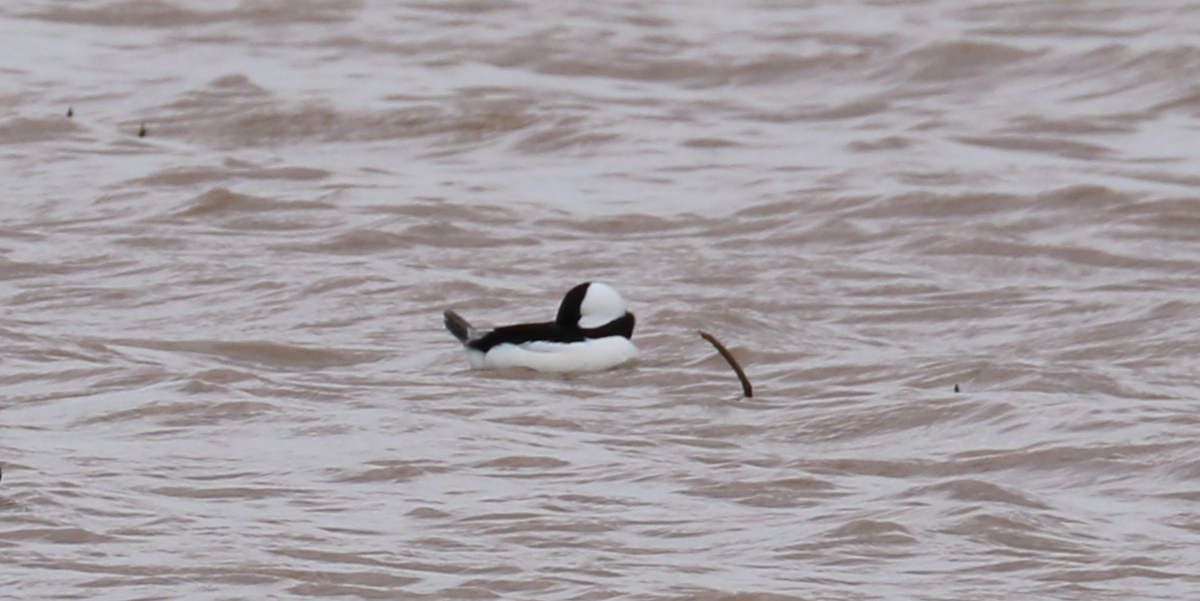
[746, 388]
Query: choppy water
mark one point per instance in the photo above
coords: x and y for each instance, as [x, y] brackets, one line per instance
[224, 373]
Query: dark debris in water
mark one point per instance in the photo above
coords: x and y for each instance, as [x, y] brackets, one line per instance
[747, 389]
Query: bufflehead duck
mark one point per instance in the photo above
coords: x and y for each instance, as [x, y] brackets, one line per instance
[591, 333]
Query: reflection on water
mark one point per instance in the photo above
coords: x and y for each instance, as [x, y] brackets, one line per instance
[954, 246]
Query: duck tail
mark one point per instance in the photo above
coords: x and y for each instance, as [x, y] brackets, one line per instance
[460, 327]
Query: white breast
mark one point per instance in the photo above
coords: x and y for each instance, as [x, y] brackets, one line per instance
[575, 357]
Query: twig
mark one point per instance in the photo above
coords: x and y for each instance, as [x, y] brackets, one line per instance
[746, 388]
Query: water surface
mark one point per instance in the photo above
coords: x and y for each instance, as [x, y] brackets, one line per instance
[225, 376]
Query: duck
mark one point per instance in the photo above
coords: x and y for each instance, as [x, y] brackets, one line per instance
[592, 332]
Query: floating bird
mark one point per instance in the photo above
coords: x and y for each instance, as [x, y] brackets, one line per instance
[592, 332]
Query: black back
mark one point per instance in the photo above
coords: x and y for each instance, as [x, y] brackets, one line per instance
[552, 332]
[526, 332]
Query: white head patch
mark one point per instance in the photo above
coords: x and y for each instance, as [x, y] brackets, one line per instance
[600, 305]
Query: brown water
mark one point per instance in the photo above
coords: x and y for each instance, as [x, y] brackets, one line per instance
[224, 372]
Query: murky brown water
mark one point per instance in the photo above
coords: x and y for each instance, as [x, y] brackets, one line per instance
[225, 376]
